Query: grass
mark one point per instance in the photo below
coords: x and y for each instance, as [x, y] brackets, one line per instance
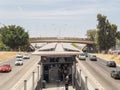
[114, 57]
[7, 55]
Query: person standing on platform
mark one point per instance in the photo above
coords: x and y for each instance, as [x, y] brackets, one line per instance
[66, 82]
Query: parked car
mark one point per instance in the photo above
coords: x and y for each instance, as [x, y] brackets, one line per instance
[5, 68]
[111, 63]
[115, 74]
[82, 56]
[93, 58]
[26, 56]
[19, 56]
[19, 61]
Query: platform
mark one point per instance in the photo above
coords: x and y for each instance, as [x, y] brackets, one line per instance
[54, 86]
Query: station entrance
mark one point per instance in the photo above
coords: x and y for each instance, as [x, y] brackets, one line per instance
[57, 68]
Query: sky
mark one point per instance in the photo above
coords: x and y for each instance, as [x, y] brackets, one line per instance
[58, 18]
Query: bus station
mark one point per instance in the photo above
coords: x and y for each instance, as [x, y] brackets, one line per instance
[56, 66]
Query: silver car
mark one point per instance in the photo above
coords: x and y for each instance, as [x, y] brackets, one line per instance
[26, 56]
[19, 56]
[115, 74]
[19, 61]
[82, 56]
[93, 58]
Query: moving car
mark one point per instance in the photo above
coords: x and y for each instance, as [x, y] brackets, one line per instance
[26, 56]
[5, 68]
[115, 74]
[19, 56]
[82, 56]
[93, 58]
[19, 61]
[111, 63]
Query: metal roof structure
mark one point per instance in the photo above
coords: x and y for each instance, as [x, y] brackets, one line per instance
[58, 50]
[47, 47]
[55, 53]
[69, 47]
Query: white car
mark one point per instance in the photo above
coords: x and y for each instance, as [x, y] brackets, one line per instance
[19, 56]
[19, 61]
[26, 56]
[93, 57]
[82, 56]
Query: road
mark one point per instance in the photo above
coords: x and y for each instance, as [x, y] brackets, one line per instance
[8, 80]
[97, 68]
[102, 73]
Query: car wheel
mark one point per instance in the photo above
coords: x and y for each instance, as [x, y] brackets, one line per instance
[111, 75]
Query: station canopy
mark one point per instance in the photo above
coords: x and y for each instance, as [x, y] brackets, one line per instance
[59, 50]
[53, 53]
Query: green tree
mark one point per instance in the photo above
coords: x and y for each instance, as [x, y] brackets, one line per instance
[118, 35]
[118, 38]
[14, 36]
[106, 34]
[2, 45]
[91, 34]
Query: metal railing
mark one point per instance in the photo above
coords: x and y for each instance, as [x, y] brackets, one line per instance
[29, 81]
[85, 81]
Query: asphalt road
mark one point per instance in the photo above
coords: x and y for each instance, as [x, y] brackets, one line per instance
[102, 73]
[97, 68]
[8, 80]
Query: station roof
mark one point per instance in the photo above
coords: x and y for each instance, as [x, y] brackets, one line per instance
[54, 53]
[48, 47]
[59, 50]
[69, 47]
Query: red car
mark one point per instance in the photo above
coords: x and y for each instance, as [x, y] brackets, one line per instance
[5, 68]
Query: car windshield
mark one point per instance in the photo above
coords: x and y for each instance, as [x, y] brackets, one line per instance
[19, 56]
[25, 54]
[112, 61]
[82, 54]
[117, 72]
[94, 56]
[5, 65]
[18, 60]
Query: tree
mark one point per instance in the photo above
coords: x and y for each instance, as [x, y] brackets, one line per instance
[2, 45]
[91, 34]
[118, 35]
[118, 39]
[106, 34]
[14, 36]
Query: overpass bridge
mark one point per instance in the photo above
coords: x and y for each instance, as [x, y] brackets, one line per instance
[89, 43]
[60, 39]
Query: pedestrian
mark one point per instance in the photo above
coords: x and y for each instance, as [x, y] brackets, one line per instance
[66, 82]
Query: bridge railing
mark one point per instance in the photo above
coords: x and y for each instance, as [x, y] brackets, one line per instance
[68, 38]
[60, 39]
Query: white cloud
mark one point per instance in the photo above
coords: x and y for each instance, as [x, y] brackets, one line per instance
[45, 14]
[7, 2]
